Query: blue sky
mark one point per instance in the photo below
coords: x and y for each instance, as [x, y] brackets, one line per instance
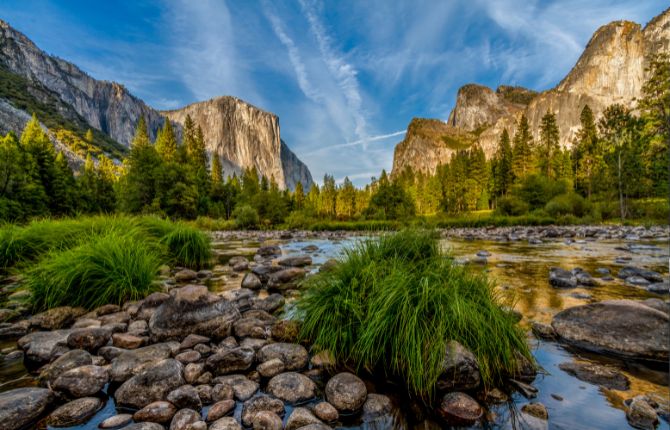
[345, 77]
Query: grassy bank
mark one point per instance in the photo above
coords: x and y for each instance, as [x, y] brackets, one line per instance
[393, 304]
[98, 260]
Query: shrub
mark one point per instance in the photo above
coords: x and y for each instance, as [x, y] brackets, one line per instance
[299, 220]
[245, 216]
[512, 205]
[567, 204]
[392, 304]
[537, 190]
[109, 268]
[188, 247]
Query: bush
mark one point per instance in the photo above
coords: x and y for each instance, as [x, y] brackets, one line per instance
[568, 204]
[512, 205]
[188, 247]
[298, 220]
[245, 216]
[110, 268]
[393, 303]
[537, 190]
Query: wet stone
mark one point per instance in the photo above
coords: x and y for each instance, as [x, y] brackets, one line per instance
[116, 421]
[82, 381]
[301, 417]
[76, 412]
[156, 412]
[266, 420]
[226, 423]
[292, 387]
[185, 396]
[346, 392]
[538, 410]
[220, 409]
[260, 403]
[459, 409]
[183, 418]
[21, 406]
[243, 387]
[326, 412]
[597, 374]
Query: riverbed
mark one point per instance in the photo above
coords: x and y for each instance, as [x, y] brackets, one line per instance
[520, 272]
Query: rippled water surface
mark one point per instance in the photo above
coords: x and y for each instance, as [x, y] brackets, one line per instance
[520, 270]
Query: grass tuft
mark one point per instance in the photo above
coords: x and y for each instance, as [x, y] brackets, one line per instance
[392, 304]
[188, 247]
[109, 268]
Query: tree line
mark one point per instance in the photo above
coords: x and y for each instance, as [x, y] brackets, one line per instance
[621, 157]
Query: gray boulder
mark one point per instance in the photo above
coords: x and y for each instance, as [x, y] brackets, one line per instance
[193, 310]
[346, 391]
[151, 385]
[460, 369]
[21, 406]
[292, 387]
[82, 381]
[132, 362]
[76, 412]
[625, 328]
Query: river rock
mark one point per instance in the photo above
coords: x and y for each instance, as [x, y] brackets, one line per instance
[641, 415]
[152, 384]
[543, 331]
[144, 426]
[376, 406]
[222, 392]
[90, 339]
[326, 412]
[185, 396]
[292, 387]
[56, 318]
[286, 278]
[637, 281]
[70, 360]
[193, 310]
[21, 406]
[622, 327]
[459, 409]
[189, 356]
[269, 250]
[597, 374]
[460, 370]
[220, 409]
[256, 325]
[346, 392]
[263, 271]
[132, 362]
[127, 340]
[243, 387]
[294, 356]
[76, 412]
[185, 275]
[266, 420]
[82, 381]
[270, 368]
[43, 346]
[270, 304]
[192, 340]
[156, 412]
[301, 417]
[631, 271]
[260, 403]
[226, 423]
[115, 318]
[183, 418]
[231, 360]
[295, 261]
[251, 281]
[538, 410]
[116, 421]
[561, 278]
[659, 287]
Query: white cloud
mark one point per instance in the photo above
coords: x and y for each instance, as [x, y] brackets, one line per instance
[359, 142]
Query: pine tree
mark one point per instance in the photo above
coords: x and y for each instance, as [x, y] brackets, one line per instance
[346, 199]
[166, 142]
[217, 170]
[522, 150]
[89, 136]
[587, 154]
[503, 175]
[329, 196]
[299, 196]
[141, 137]
[548, 153]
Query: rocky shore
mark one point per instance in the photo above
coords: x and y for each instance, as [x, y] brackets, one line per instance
[188, 358]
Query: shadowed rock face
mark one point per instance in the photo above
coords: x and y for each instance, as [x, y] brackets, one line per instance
[245, 136]
[612, 69]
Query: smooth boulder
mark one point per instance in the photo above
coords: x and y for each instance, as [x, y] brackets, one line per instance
[76, 412]
[82, 381]
[625, 328]
[150, 385]
[292, 387]
[21, 406]
[346, 391]
[193, 310]
[460, 370]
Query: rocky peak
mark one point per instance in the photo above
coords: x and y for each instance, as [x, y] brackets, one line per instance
[478, 106]
[106, 106]
[245, 136]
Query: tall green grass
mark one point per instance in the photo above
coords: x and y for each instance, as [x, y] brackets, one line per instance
[188, 246]
[110, 268]
[97, 260]
[393, 303]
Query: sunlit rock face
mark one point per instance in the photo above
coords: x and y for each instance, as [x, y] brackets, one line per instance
[245, 136]
[612, 69]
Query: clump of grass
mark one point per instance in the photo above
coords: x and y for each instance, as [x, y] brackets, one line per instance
[109, 268]
[188, 247]
[393, 303]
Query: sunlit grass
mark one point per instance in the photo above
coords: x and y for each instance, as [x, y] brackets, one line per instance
[393, 304]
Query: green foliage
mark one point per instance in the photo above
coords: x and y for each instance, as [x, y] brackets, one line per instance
[109, 268]
[568, 204]
[393, 303]
[245, 216]
[512, 205]
[188, 247]
[536, 190]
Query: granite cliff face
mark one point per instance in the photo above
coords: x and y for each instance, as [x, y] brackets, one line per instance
[242, 134]
[610, 70]
[427, 143]
[245, 136]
